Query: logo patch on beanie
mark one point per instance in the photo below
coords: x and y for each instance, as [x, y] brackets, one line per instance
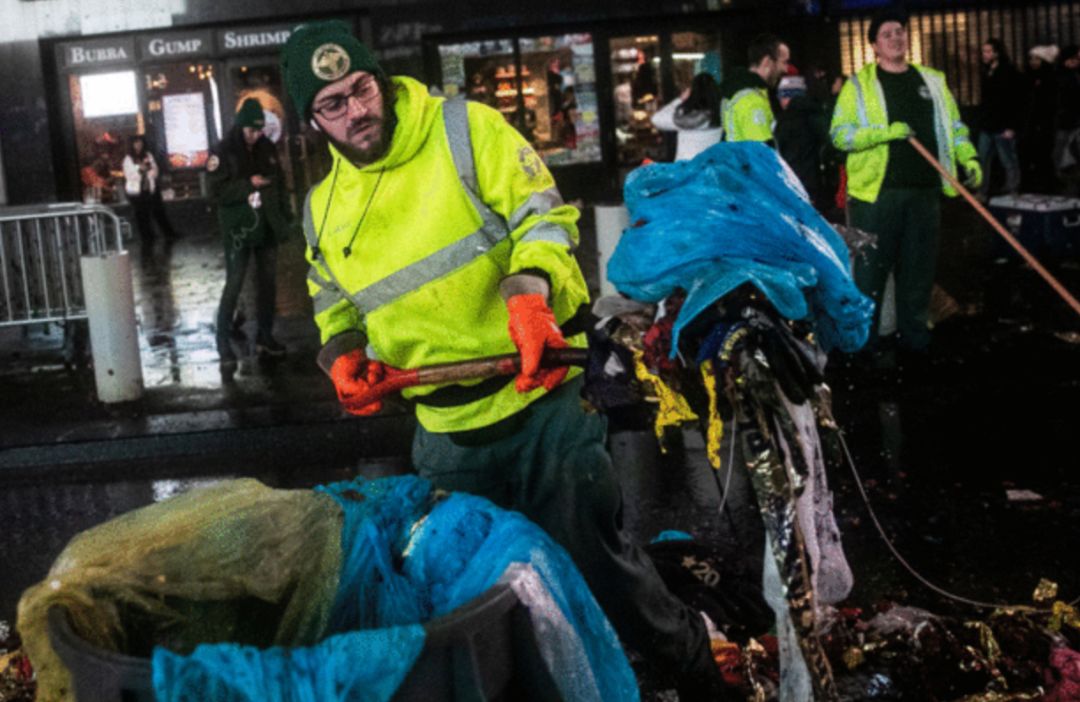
[330, 62]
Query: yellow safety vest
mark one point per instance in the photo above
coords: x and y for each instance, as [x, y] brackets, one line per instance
[860, 122]
[748, 116]
[459, 202]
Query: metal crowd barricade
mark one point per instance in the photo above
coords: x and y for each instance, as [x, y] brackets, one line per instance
[40, 248]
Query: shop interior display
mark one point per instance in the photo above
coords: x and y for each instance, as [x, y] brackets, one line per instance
[637, 96]
[544, 86]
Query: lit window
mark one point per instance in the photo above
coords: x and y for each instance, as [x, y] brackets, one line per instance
[107, 94]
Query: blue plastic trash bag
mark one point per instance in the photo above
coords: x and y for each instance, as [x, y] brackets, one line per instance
[467, 544]
[360, 666]
[737, 214]
[409, 556]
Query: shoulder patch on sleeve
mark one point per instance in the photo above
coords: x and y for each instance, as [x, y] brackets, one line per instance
[530, 162]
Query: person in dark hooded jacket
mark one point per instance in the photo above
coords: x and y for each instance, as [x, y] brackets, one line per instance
[246, 183]
[1040, 110]
[999, 115]
[802, 130]
[1067, 122]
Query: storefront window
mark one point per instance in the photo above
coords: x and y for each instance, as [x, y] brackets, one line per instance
[635, 63]
[549, 96]
[172, 88]
[688, 55]
[105, 115]
[559, 91]
[474, 69]
[182, 110]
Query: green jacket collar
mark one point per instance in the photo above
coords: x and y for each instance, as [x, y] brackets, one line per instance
[741, 79]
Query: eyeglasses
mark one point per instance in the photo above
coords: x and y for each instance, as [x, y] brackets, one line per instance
[334, 107]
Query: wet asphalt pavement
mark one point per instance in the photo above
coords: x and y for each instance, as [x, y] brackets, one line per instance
[938, 451]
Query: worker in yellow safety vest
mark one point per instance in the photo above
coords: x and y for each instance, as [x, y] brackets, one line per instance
[439, 236]
[893, 192]
[744, 108]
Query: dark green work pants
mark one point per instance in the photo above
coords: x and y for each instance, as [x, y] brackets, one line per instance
[549, 463]
[907, 222]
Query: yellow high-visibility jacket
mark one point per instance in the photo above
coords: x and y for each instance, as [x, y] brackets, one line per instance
[860, 123]
[745, 111]
[449, 215]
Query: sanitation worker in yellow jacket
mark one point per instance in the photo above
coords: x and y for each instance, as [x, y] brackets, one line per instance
[744, 106]
[894, 192]
[439, 236]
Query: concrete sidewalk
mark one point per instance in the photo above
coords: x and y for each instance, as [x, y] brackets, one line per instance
[51, 415]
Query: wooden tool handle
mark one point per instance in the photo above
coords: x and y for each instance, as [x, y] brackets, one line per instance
[1001, 230]
[397, 379]
[507, 364]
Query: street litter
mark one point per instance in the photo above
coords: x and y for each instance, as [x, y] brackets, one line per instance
[1023, 496]
[241, 591]
[736, 289]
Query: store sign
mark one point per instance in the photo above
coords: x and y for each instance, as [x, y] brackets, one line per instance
[402, 39]
[232, 41]
[174, 45]
[99, 52]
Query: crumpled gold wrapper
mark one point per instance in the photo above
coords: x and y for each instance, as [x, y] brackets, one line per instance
[1003, 696]
[987, 642]
[1064, 614]
[1045, 591]
[854, 657]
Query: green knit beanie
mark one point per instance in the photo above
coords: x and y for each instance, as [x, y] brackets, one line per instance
[318, 54]
[251, 114]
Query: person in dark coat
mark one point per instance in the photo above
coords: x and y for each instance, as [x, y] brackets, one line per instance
[1000, 115]
[1037, 139]
[246, 183]
[1067, 122]
[802, 130]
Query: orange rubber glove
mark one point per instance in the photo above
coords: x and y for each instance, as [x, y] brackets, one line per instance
[533, 328]
[354, 373]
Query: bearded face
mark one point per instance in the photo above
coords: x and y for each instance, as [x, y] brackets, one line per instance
[356, 116]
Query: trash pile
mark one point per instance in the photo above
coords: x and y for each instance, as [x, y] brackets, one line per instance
[907, 653]
[238, 591]
[16, 673]
[890, 652]
[733, 290]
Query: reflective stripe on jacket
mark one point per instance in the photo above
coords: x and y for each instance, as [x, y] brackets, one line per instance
[459, 202]
[860, 123]
[747, 116]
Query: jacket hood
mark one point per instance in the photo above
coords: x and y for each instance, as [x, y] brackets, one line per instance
[741, 79]
[416, 112]
[694, 119]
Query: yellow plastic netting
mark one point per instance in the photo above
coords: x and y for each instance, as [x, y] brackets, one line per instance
[715, 433]
[674, 410]
[237, 561]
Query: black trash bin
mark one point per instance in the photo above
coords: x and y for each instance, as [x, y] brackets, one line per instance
[484, 650]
